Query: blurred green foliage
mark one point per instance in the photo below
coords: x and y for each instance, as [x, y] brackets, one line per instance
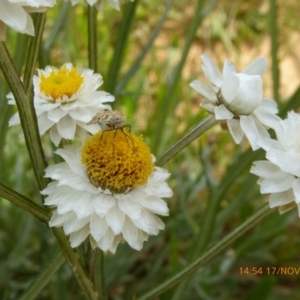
[211, 170]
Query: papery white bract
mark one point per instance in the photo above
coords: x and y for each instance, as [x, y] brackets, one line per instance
[237, 99]
[65, 100]
[86, 210]
[280, 173]
[15, 14]
[99, 3]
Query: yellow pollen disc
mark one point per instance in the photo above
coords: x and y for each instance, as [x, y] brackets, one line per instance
[62, 82]
[116, 160]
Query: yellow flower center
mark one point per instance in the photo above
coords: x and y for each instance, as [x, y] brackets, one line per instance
[116, 160]
[62, 82]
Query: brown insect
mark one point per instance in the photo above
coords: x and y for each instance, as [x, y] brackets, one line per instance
[114, 120]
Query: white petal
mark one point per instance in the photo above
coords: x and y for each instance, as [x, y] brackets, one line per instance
[67, 127]
[106, 241]
[98, 226]
[288, 161]
[129, 207]
[75, 225]
[282, 198]
[84, 205]
[78, 237]
[222, 113]
[16, 17]
[105, 203]
[252, 131]
[230, 88]
[249, 95]
[55, 136]
[204, 91]
[44, 123]
[269, 105]
[132, 235]
[235, 130]
[56, 114]
[211, 71]
[275, 185]
[82, 114]
[268, 143]
[149, 223]
[208, 106]
[228, 69]
[14, 120]
[155, 205]
[265, 168]
[296, 189]
[115, 219]
[257, 67]
[266, 117]
[58, 220]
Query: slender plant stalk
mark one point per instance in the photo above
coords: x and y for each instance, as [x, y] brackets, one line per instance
[75, 264]
[176, 74]
[115, 64]
[44, 278]
[96, 263]
[145, 50]
[27, 116]
[33, 52]
[207, 227]
[97, 274]
[60, 22]
[92, 37]
[202, 127]
[24, 203]
[210, 254]
[274, 49]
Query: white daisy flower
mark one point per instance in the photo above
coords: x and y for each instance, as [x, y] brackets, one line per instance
[65, 100]
[280, 173]
[237, 99]
[110, 191]
[99, 3]
[15, 14]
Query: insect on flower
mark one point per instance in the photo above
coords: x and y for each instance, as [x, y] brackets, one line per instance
[114, 120]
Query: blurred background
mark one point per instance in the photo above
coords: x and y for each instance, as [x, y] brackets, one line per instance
[148, 53]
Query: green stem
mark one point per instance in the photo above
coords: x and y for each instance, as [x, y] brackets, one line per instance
[44, 278]
[27, 116]
[210, 254]
[24, 203]
[60, 22]
[145, 50]
[115, 64]
[202, 127]
[33, 52]
[92, 37]
[176, 74]
[97, 274]
[274, 49]
[75, 264]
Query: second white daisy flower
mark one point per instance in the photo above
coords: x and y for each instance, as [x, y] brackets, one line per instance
[65, 99]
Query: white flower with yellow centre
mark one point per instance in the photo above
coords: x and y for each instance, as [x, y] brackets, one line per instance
[237, 99]
[15, 14]
[99, 3]
[110, 191]
[280, 173]
[65, 100]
